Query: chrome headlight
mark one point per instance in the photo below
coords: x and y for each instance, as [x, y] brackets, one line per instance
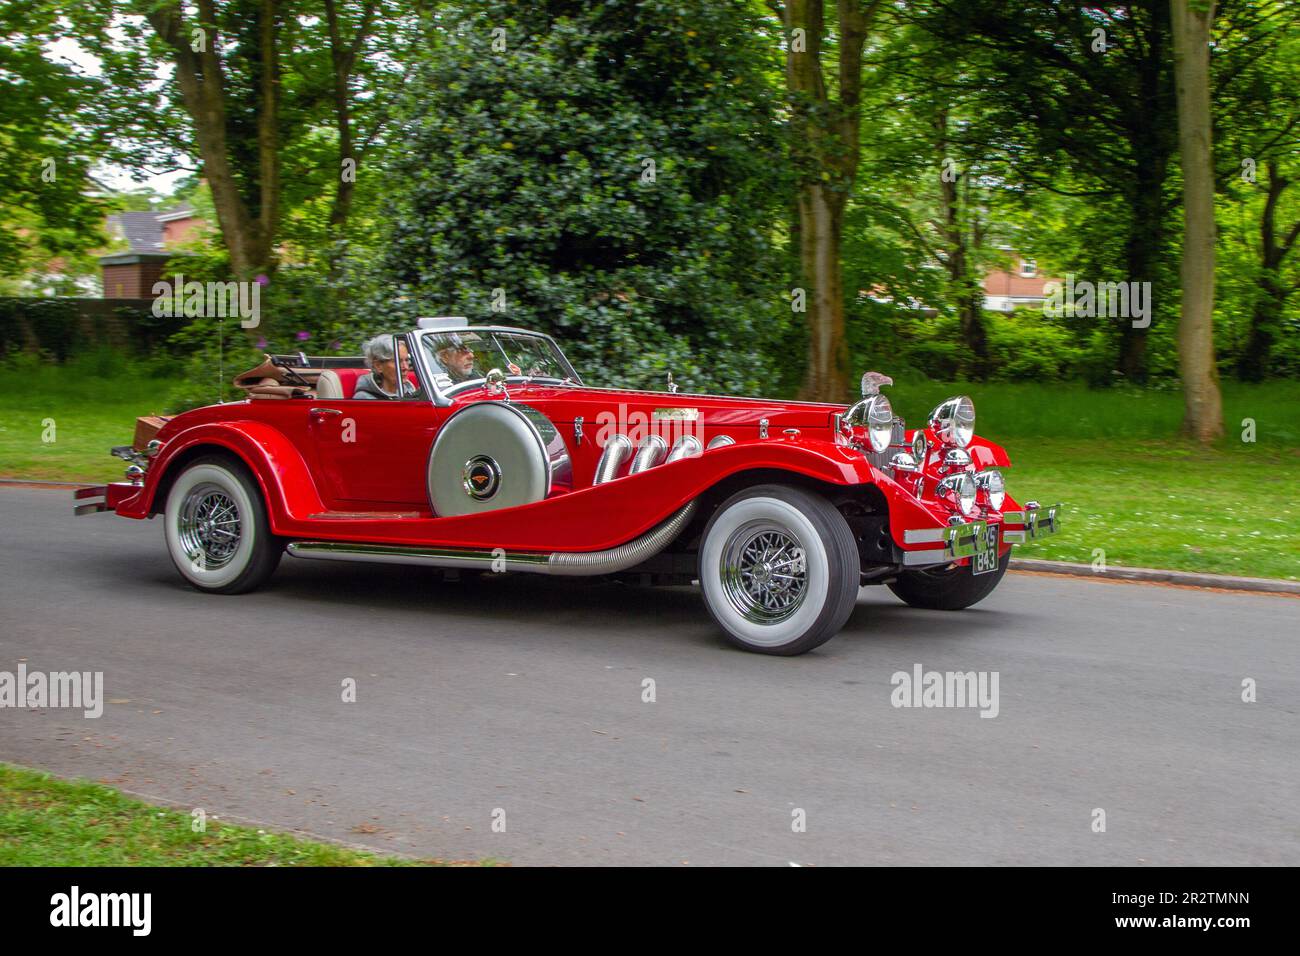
[876, 415]
[992, 487]
[954, 421]
[960, 490]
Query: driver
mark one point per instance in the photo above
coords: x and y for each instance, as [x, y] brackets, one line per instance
[457, 358]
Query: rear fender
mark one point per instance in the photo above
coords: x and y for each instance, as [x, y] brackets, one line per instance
[277, 466]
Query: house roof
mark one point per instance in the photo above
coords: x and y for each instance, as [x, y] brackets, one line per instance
[141, 230]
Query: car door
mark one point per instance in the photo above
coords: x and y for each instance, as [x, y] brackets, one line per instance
[372, 455]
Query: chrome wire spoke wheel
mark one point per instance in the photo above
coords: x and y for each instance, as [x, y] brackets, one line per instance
[764, 572]
[209, 526]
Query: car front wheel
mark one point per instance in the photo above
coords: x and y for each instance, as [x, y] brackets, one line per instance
[217, 529]
[949, 588]
[779, 569]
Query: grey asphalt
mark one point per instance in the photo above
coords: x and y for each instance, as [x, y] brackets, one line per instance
[524, 695]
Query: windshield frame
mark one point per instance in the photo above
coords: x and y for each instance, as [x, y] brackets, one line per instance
[443, 397]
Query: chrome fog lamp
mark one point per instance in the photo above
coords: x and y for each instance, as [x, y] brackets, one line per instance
[992, 488]
[954, 421]
[876, 415]
[960, 490]
[903, 461]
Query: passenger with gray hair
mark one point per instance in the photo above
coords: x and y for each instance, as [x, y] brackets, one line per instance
[385, 377]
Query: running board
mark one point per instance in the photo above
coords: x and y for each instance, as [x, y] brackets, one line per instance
[497, 559]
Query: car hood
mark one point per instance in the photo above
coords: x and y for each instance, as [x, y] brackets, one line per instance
[595, 405]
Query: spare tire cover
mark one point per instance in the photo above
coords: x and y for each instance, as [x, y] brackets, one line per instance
[490, 455]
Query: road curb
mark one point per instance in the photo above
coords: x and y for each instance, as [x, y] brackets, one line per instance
[1192, 579]
[46, 483]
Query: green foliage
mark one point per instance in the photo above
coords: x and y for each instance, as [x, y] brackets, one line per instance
[46, 150]
[528, 170]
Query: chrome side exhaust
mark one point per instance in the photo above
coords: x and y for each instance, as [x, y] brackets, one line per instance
[568, 563]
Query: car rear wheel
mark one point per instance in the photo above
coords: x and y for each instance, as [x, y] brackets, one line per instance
[217, 529]
[779, 569]
[949, 588]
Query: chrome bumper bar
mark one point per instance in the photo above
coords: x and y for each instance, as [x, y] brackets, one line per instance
[971, 538]
[90, 500]
[957, 540]
[1038, 522]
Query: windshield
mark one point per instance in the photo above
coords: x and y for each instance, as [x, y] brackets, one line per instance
[467, 355]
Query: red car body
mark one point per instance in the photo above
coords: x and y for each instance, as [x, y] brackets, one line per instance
[345, 472]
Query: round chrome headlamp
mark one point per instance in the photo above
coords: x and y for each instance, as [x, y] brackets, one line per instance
[992, 488]
[959, 490]
[919, 447]
[954, 421]
[876, 415]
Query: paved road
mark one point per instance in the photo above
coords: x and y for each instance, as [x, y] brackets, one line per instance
[525, 694]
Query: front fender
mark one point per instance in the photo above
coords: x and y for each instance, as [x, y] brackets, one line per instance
[277, 466]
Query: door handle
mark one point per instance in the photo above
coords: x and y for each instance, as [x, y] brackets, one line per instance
[322, 412]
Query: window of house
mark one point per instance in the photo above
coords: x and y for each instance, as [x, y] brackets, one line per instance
[1029, 267]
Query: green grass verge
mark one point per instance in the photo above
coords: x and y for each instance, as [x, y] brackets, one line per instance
[1130, 487]
[1164, 504]
[45, 821]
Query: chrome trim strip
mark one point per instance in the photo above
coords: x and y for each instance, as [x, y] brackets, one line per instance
[924, 535]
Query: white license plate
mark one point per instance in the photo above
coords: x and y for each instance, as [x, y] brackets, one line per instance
[986, 560]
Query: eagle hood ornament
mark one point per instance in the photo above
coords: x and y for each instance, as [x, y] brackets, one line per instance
[872, 382]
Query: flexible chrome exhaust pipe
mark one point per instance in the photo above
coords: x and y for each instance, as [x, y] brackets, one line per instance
[568, 563]
[617, 450]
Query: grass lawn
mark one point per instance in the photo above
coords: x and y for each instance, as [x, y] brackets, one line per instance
[45, 821]
[1130, 488]
[1165, 504]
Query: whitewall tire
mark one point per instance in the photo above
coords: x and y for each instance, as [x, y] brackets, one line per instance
[216, 528]
[779, 568]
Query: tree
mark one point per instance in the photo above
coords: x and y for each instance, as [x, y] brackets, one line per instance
[1203, 404]
[1255, 66]
[608, 173]
[257, 83]
[48, 145]
[1084, 88]
[825, 128]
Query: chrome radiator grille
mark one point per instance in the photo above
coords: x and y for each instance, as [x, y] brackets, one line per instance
[896, 443]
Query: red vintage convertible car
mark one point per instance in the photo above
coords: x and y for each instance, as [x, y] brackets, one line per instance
[498, 458]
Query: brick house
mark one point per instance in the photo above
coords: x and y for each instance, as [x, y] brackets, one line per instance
[1021, 285]
[149, 235]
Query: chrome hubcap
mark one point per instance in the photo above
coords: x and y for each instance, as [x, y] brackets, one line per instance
[209, 526]
[764, 573]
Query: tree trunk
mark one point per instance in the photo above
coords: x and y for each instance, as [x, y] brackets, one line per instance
[1203, 404]
[824, 151]
[821, 231]
[1141, 252]
[1271, 292]
[247, 235]
[965, 289]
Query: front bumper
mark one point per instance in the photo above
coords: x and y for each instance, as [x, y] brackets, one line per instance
[957, 541]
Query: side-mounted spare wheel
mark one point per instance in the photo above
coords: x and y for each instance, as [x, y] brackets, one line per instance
[217, 529]
[779, 568]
